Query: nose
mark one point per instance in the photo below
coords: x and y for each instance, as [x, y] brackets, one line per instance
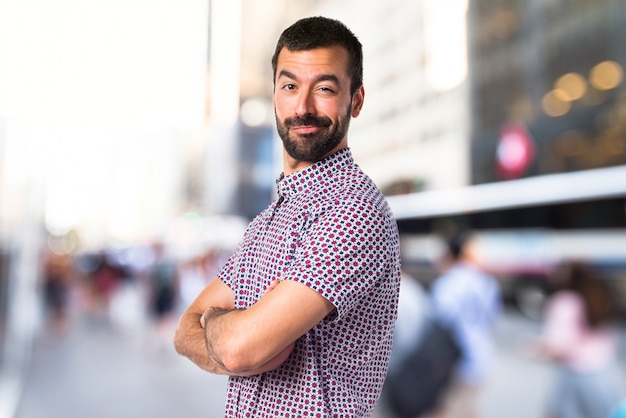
[305, 103]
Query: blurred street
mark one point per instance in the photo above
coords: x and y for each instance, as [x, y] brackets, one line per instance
[97, 372]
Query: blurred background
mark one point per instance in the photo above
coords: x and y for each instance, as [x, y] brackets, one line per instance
[140, 134]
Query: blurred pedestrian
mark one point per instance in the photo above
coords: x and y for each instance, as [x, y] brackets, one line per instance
[105, 280]
[580, 336]
[328, 248]
[467, 299]
[127, 307]
[56, 289]
[413, 311]
[163, 285]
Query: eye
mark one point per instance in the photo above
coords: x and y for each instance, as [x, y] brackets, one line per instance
[326, 89]
[289, 86]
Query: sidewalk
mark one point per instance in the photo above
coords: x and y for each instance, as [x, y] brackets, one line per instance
[97, 372]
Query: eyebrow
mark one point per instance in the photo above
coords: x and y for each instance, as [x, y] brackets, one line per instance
[322, 77]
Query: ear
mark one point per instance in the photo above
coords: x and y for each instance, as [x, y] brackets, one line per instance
[357, 101]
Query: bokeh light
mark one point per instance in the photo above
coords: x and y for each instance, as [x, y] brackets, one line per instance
[606, 75]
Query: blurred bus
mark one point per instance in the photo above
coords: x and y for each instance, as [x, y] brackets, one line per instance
[526, 227]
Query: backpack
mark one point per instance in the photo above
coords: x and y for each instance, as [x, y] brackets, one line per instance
[415, 387]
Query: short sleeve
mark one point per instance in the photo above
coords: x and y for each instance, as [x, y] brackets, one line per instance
[344, 252]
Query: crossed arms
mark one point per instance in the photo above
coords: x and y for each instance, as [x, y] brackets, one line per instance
[242, 342]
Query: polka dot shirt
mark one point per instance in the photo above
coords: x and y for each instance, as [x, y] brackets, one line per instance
[332, 230]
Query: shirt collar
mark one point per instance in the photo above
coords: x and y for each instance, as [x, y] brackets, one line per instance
[299, 181]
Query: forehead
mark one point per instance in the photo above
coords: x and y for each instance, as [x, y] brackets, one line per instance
[313, 62]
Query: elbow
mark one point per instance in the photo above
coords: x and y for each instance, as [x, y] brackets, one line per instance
[178, 341]
[234, 356]
[235, 365]
[239, 356]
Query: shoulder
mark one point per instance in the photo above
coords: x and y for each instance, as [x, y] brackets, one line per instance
[352, 188]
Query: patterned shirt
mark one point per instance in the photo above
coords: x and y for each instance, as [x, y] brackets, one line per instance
[332, 230]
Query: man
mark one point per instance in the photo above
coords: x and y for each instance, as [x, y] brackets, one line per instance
[467, 298]
[301, 317]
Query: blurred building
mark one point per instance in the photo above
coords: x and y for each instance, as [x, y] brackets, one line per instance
[97, 102]
[556, 68]
[547, 121]
[548, 96]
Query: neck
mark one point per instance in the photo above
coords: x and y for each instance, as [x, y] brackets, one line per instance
[291, 165]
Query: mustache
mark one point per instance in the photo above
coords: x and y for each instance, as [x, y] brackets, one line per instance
[308, 120]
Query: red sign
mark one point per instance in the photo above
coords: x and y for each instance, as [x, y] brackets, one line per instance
[515, 151]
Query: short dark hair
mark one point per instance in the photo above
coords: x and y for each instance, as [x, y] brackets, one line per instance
[457, 243]
[593, 288]
[319, 32]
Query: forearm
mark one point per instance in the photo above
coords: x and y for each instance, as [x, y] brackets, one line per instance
[190, 340]
[230, 348]
[248, 341]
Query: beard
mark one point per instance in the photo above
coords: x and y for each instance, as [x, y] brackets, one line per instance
[312, 147]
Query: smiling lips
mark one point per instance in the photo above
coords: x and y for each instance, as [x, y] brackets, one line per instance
[307, 125]
[306, 129]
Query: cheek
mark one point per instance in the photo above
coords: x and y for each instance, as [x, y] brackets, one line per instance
[279, 113]
[282, 108]
[333, 110]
